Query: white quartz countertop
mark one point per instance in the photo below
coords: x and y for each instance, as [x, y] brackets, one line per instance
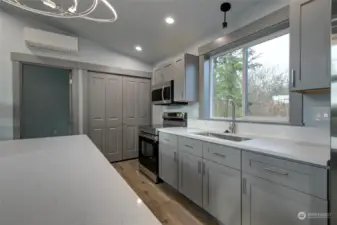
[64, 181]
[298, 151]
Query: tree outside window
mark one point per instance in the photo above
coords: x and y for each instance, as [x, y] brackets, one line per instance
[255, 78]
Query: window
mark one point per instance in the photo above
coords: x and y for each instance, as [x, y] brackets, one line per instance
[255, 78]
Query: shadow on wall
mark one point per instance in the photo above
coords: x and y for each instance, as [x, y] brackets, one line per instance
[6, 122]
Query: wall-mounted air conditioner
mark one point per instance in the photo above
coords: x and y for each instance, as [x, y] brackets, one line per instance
[49, 40]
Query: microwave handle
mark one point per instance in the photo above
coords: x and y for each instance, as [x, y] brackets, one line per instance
[162, 93]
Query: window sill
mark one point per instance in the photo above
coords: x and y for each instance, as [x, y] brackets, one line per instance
[250, 120]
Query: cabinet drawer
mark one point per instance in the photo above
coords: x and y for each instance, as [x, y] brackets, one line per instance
[168, 139]
[190, 146]
[302, 177]
[222, 154]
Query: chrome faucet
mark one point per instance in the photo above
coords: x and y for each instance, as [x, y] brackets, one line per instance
[232, 125]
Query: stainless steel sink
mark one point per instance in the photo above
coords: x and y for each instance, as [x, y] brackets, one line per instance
[223, 136]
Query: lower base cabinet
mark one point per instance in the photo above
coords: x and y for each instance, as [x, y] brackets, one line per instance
[190, 177]
[168, 165]
[268, 203]
[222, 193]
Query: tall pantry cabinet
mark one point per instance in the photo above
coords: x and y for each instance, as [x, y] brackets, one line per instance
[117, 106]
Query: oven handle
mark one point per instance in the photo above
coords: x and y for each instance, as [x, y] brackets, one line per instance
[151, 137]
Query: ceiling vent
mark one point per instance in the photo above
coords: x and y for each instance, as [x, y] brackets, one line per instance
[51, 41]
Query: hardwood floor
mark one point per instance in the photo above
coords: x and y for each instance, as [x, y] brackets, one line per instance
[166, 204]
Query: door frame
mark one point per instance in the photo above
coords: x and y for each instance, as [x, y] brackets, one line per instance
[17, 95]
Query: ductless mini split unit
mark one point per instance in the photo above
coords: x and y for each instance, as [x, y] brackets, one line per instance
[51, 41]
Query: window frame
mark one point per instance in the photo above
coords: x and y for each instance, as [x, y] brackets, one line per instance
[244, 118]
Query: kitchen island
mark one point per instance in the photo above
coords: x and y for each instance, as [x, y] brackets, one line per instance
[64, 181]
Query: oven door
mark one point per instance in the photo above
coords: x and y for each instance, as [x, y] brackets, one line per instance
[148, 152]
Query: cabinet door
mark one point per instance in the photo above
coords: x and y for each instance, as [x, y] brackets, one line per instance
[310, 30]
[168, 72]
[157, 77]
[168, 165]
[190, 177]
[114, 117]
[144, 102]
[179, 79]
[222, 192]
[130, 118]
[265, 202]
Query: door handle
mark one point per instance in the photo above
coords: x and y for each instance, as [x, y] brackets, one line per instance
[244, 186]
[199, 167]
[273, 170]
[189, 146]
[293, 78]
[203, 168]
[162, 94]
[220, 155]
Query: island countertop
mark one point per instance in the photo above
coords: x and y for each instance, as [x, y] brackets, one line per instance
[64, 181]
[318, 155]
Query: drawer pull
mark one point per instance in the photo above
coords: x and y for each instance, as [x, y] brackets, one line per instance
[220, 155]
[272, 170]
[189, 146]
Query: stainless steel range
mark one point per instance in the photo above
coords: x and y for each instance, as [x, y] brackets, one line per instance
[149, 143]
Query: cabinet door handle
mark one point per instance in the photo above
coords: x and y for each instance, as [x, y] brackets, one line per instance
[208, 187]
[219, 154]
[203, 168]
[273, 170]
[293, 78]
[244, 186]
[167, 140]
[189, 146]
[199, 167]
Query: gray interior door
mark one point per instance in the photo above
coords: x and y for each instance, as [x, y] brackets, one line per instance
[97, 109]
[45, 108]
[114, 118]
[130, 119]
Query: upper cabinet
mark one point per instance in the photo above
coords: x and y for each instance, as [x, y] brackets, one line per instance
[186, 78]
[157, 77]
[168, 72]
[184, 71]
[310, 35]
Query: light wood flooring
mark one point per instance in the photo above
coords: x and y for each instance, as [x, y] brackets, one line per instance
[166, 204]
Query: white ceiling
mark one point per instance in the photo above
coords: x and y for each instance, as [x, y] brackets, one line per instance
[141, 22]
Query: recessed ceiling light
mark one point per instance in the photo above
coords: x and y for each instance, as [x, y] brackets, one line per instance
[138, 48]
[169, 20]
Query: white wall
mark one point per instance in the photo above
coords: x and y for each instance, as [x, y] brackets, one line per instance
[11, 40]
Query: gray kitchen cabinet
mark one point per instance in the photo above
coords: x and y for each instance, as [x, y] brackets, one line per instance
[168, 72]
[130, 118]
[190, 177]
[144, 102]
[168, 164]
[310, 30]
[222, 192]
[265, 202]
[157, 77]
[186, 78]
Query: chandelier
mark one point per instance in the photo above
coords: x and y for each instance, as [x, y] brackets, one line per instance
[65, 8]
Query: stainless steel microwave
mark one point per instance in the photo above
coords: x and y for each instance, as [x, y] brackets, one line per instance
[163, 94]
